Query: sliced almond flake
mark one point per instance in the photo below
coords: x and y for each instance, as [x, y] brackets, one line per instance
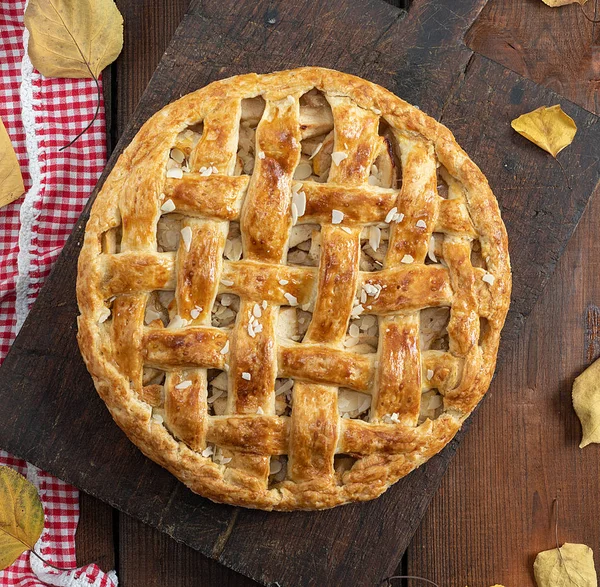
[261, 155]
[357, 311]
[421, 224]
[367, 322]
[363, 297]
[303, 171]
[376, 111]
[177, 322]
[205, 171]
[293, 300]
[246, 376]
[260, 411]
[338, 156]
[354, 331]
[257, 311]
[289, 383]
[177, 155]
[299, 199]
[251, 330]
[306, 307]
[217, 393]
[391, 214]
[196, 312]
[488, 278]
[208, 451]
[407, 259]
[346, 229]
[398, 217]
[336, 216]
[227, 299]
[294, 214]
[317, 149]
[214, 169]
[431, 250]
[158, 418]
[374, 237]
[227, 282]
[225, 349]
[172, 164]
[264, 304]
[275, 466]
[350, 342]
[184, 384]
[186, 235]
[429, 374]
[226, 460]
[175, 173]
[104, 315]
[258, 328]
[283, 282]
[168, 206]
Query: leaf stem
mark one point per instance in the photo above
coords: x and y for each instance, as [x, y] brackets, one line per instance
[51, 565]
[586, 16]
[566, 177]
[94, 117]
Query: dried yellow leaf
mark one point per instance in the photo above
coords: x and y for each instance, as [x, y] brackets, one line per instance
[555, 3]
[21, 516]
[11, 180]
[73, 38]
[573, 566]
[586, 401]
[549, 128]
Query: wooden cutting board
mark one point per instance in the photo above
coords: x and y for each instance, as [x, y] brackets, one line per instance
[51, 414]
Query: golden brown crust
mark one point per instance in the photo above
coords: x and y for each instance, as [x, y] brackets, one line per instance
[120, 266]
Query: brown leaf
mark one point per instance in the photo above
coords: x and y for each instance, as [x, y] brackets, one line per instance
[555, 3]
[21, 516]
[586, 401]
[73, 38]
[549, 128]
[570, 566]
[11, 180]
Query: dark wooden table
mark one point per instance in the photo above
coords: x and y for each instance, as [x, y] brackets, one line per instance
[487, 526]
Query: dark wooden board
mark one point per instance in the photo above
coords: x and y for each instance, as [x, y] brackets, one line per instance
[57, 421]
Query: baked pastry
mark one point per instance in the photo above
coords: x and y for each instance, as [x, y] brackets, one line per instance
[292, 288]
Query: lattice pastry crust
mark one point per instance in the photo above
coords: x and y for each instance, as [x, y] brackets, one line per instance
[292, 288]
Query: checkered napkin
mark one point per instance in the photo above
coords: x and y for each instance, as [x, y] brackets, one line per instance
[41, 115]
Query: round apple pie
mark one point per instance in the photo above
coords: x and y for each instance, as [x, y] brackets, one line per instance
[292, 288]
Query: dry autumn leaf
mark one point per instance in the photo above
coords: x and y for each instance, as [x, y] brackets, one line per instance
[555, 3]
[549, 128]
[73, 38]
[11, 180]
[21, 516]
[570, 566]
[586, 401]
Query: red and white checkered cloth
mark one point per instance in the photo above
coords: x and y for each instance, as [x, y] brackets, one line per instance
[41, 115]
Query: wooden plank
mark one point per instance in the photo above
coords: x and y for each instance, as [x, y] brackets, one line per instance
[149, 558]
[554, 47]
[494, 510]
[360, 544]
[95, 533]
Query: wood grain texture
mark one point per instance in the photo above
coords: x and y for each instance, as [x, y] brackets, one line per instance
[149, 558]
[95, 533]
[356, 544]
[556, 47]
[493, 512]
